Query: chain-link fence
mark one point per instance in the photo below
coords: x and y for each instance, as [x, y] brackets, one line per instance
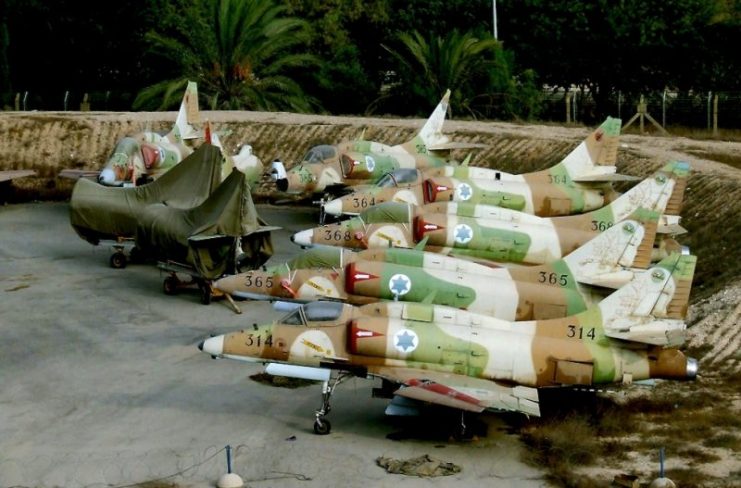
[702, 110]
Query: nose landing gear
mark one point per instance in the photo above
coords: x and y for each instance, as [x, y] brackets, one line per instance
[322, 426]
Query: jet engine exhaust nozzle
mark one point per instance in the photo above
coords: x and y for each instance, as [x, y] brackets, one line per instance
[692, 368]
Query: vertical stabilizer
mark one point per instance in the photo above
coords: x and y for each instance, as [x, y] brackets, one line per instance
[595, 158]
[430, 137]
[606, 260]
[651, 308]
[187, 115]
[653, 193]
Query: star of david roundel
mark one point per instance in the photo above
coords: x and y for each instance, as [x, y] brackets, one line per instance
[406, 341]
[463, 233]
[370, 163]
[464, 191]
[400, 284]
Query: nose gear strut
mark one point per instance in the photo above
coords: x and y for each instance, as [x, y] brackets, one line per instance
[322, 426]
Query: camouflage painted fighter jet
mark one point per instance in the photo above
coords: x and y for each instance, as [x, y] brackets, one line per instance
[579, 183]
[553, 290]
[499, 234]
[148, 154]
[474, 362]
[326, 169]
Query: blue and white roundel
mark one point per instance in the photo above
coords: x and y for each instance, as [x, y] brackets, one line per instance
[462, 234]
[406, 341]
[464, 191]
[370, 163]
[400, 284]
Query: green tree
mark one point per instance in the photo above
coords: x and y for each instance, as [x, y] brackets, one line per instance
[632, 46]
[476, 70]
[244, 55]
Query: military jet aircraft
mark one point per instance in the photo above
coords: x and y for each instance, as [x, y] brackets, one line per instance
[564, 287]
[147, 155]
[327, 169]
[473, 362]
[99, 212]
[499, 234]
[579, 183]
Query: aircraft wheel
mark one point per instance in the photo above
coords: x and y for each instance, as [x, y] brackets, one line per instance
[118, 260]
[205, 293]
[322, 426]
[170, 285]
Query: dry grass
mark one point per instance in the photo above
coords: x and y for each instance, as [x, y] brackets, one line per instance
[694, 423]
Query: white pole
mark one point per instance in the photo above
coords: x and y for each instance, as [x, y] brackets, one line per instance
[494, 17]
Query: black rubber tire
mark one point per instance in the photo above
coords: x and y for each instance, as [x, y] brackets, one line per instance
[170, 286]
[118, 260]
[205, 293]
[322, 426]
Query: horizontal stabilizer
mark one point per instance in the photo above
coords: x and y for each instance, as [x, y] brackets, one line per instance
[671, 229]
[446, 146]
[76, 174]
[604, 177]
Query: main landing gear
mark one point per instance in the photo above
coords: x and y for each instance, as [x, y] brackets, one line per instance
[322, 426]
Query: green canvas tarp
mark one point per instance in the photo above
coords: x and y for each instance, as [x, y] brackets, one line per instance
[101, 212]
[208, 236]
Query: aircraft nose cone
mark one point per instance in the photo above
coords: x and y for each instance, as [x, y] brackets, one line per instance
[200, 346]
[302, 238]
[213, 345]
[333, 207]
[107, 177]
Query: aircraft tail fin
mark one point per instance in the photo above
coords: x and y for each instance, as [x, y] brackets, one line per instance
[653, 193]
[606, 259]
[595, 158]
[187, 115]
[652, 308]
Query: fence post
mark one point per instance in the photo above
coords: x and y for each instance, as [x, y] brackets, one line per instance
[574, 106]
[642, 111]
[663, 109]
[66, 98]
[620, 104]
[710, 94]
[568, 107]
[25, 98]
[18, 101]
[715, 115]
[85, 104]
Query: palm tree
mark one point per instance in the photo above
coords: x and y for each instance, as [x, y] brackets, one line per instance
[462, 62]
[241, 52]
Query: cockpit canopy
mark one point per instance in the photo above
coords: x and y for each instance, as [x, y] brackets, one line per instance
[319, 154]
[398, 177]
[314, 312]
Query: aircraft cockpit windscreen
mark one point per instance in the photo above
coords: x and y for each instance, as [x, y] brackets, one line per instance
[323, 311]
[398, 177]
[314, 312]
[319, 154]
